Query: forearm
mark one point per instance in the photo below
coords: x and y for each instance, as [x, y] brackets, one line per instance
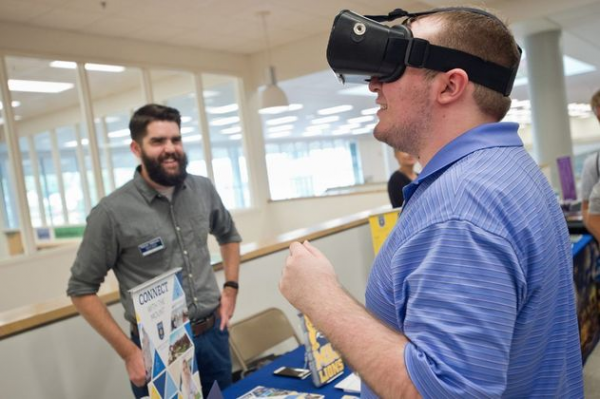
[230, 253]
[585, 213]
[373, 350]
[95, 312]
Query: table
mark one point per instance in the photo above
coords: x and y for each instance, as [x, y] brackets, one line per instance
[585, 256]
[264, 376]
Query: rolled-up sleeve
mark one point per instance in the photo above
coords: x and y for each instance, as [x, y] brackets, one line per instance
[221, 222]
[461, 309]
[97, 254]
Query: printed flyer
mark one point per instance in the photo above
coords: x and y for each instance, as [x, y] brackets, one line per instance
[166, 338]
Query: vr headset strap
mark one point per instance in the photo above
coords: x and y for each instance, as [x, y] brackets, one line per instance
[422, 54]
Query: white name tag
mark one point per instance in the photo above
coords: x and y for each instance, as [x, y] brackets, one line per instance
[152, 246]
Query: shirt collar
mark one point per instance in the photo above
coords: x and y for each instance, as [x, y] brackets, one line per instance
[501, 134]
[145, 189]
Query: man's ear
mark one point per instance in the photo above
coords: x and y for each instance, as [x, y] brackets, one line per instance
[453, 85]
[135, 148]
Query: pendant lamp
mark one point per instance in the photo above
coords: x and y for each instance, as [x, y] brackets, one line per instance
[272, 99]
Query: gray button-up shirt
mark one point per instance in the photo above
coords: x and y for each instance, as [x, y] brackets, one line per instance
[127, 227]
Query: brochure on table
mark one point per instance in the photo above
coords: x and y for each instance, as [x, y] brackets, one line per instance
[324, 362]
[166, 338]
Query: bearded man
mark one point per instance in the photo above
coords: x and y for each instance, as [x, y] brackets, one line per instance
[158, 221]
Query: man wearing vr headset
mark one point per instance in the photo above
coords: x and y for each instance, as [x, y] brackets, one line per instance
[472, 293]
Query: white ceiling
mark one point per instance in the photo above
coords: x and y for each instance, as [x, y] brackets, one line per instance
[234, 25]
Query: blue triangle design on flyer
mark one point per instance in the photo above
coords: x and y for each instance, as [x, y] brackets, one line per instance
[159, 366]
[177, 290]
[171, 388]
[159, 383]
[188, 330]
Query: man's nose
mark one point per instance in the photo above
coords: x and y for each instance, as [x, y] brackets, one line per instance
[169, 146]
[374, 84]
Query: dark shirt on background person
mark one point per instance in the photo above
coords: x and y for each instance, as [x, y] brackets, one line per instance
[401, 177]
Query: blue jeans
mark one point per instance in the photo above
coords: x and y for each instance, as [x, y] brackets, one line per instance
[212, 356]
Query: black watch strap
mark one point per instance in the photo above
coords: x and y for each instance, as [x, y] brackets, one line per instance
[232, 284]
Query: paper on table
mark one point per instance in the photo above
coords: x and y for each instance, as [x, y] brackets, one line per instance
[350, 384]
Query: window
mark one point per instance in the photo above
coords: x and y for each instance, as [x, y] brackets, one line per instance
[323, 140]
[226, 133]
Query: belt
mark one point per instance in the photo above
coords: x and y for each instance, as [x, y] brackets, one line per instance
[199, 327]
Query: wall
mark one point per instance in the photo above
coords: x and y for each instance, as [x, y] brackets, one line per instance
[47, 272]
[69, 360]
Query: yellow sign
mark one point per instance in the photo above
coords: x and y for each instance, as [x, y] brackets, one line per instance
[324, 362]
[381, 226]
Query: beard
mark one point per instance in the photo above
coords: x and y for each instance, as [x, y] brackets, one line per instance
[410, 133]
[409, 136]
[159, 175]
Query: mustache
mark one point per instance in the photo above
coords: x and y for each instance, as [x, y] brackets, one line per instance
[173, 156]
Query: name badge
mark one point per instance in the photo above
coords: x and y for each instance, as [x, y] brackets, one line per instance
[152, 246]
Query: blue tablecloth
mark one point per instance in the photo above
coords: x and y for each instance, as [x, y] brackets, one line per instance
[265, 377]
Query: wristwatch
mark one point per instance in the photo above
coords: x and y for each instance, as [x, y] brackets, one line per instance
[232, 284]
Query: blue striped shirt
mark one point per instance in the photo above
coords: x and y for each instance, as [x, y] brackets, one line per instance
[477, 274]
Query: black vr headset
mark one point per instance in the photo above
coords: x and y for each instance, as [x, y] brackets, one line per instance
[360, 47]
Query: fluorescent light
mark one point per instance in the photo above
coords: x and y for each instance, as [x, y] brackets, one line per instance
[225, 121]
[327, 119]
[369, 111]
[339, 132]
[232, 130]
[15, 104]
[119, 133]
[279, 135]
[89, 67]
[362, 130]
[224, 109]
[191, 139]
[186, 130]
[312, 134]
[281, 121]
[235, 137]
[206, 94]
[320, 127]
[335, 110]
[350, 126]
[186, 119]
[280, 128]
[274, 110]
[280, 110]
[361, 119]
[73, 143]
[359, 90]
[38, 86]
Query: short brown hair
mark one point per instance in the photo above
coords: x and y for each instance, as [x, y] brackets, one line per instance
[485, 37]
[150, 113]
[595, 103]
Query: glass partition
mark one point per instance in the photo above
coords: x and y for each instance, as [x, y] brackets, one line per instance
[221, 102]
[322, 141]
[116, 92]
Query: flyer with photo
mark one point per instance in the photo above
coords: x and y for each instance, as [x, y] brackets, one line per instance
[166, 338]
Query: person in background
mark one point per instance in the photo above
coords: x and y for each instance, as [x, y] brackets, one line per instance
[471, 295]
[158, 221]
[590, 174]
[593, 214]
[401, 177]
